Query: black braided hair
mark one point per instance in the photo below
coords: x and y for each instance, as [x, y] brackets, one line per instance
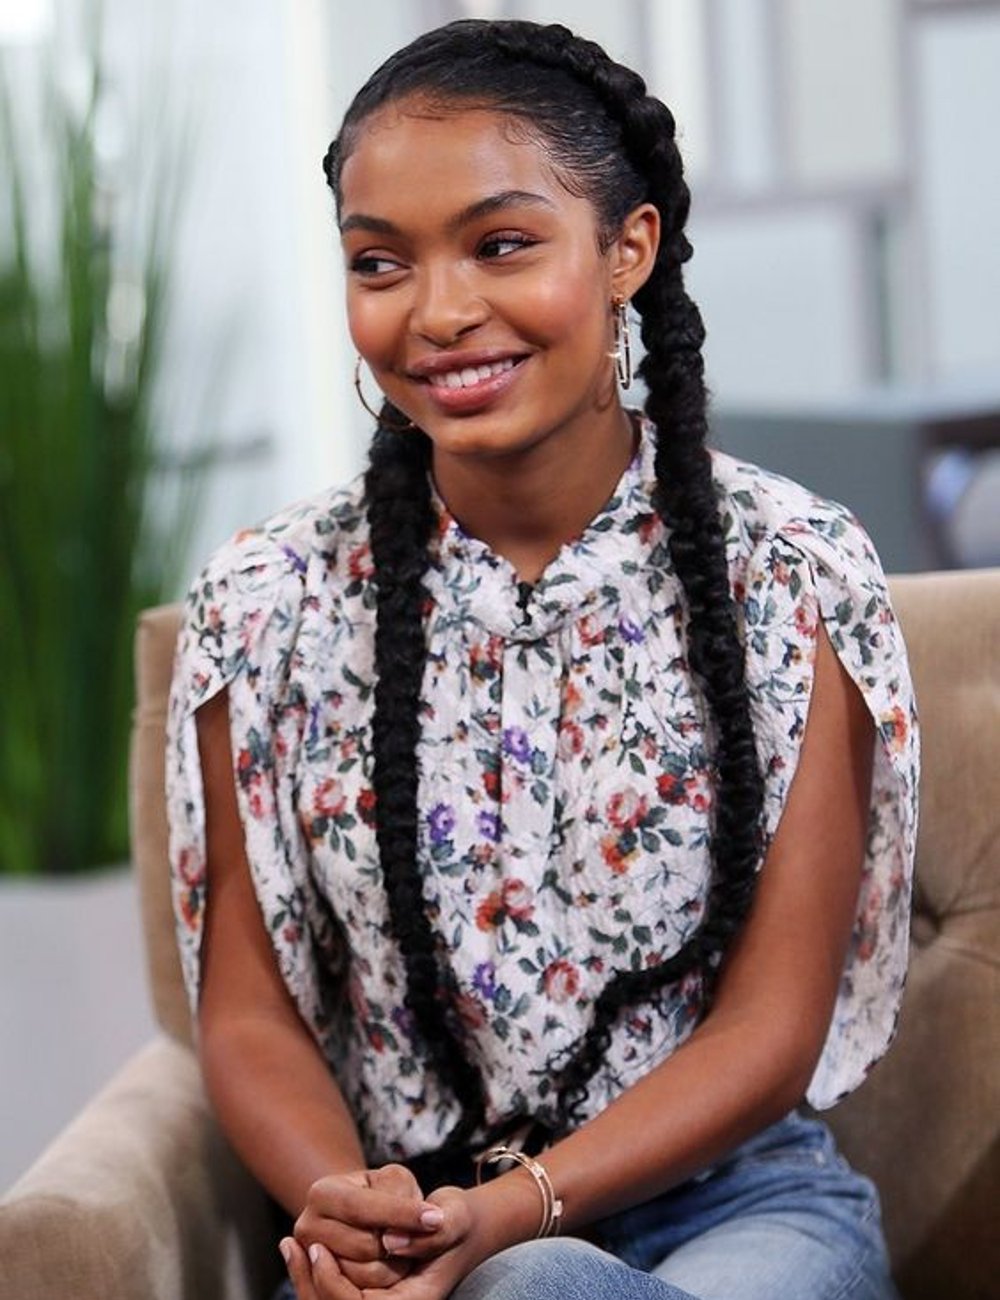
[615, 145]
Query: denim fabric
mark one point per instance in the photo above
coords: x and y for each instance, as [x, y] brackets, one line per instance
[782, 1218]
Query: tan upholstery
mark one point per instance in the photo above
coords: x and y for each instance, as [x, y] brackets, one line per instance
[926, 1125]
[140, 1197]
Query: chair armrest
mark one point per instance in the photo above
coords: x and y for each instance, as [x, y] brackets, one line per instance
[139, 1199]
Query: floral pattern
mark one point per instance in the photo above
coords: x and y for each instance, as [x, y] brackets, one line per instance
[565, 782]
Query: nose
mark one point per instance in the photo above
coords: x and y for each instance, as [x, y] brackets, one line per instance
[445, 304]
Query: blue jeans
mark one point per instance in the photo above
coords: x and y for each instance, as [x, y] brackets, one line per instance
[782, 1218]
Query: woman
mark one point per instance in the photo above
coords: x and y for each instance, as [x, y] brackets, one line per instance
[484, 824]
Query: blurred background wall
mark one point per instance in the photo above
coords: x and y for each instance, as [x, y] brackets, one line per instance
[847, 199]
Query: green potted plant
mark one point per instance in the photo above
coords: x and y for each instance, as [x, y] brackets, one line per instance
[93, 522]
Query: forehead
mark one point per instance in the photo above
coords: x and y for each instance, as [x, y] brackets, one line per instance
[439, 159]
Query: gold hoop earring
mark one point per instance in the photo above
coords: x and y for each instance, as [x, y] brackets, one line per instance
[376, 416]
[622, 354]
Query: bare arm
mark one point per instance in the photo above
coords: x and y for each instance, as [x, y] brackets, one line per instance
[269, 1084]
[273, 1092]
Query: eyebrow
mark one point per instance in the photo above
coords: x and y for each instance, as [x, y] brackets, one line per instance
[481, 208]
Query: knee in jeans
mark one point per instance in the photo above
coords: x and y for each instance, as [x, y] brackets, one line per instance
[556, 1269]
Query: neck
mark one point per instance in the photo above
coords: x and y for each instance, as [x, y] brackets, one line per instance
[526, 505]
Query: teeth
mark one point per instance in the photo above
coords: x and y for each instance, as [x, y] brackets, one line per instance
[471, 374]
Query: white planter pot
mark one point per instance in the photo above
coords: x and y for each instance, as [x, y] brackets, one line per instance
[73, 1002]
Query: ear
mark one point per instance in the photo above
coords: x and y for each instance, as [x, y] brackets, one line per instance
[634, 250]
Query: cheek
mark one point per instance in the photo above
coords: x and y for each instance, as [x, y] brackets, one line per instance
[568, 308]
[372, 324]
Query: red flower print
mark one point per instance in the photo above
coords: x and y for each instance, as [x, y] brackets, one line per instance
[894, 728]
[514, 900]
[591, 632]
[612, 855]
[572, 699]
[365, 806]
[329, 799]
[561, 980]
[359, 562]
[626, 809]
[805, 620]
[491, 783]
[670, 788]
[518, 899]
[489, 912]
[259, 798]
[190, 909]
[571, 739]
[190, 867]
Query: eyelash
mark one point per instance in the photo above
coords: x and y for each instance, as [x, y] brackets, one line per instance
[365, 264]
[516, 240]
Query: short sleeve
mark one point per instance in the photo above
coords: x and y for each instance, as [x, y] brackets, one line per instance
[826, 568]
[241, 622]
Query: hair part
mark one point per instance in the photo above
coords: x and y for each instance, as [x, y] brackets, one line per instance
[612, 143]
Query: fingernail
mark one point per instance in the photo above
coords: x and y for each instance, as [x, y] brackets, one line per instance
[394, 1241]
[432, 1217]
[314, 1252]
[286, 1250]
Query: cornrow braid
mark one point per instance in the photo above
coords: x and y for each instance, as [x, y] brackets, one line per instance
[548, 80]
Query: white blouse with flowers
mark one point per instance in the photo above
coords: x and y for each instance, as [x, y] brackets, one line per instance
[565, 782]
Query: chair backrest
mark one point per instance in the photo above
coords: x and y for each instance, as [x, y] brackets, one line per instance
[926, 1125]
[155, 642]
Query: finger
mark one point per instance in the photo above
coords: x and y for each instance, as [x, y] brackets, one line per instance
[298, 1269]
[396, 1179]
[328, 1280]
[343, 1241]
[454, 1226]
[370, 1207]
[384, 1273]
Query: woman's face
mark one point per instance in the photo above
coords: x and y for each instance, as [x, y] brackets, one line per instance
[477, 291]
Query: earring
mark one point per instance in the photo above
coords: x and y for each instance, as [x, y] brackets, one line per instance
[376, 416]
[622, 354]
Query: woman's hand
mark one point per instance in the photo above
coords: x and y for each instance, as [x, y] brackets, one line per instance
[429, 1267]
[475, 1224]
[348, 1216]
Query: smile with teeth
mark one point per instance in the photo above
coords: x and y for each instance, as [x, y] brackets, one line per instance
[471, 375]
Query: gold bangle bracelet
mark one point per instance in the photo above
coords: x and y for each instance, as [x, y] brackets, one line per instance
[552, 1207]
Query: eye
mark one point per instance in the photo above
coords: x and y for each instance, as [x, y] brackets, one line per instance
[373, 265]
[503, 244]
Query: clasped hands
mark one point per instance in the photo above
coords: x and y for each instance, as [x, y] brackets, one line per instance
[372, 1235]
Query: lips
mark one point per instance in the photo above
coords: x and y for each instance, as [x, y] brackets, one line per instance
[460, 384]
[469, 376]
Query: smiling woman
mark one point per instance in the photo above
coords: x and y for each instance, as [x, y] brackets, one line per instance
[544, 800]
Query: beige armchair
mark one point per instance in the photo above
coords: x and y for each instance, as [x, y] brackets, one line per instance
[140, 1198]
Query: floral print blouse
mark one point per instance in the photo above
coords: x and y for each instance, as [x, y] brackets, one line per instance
[565, 789]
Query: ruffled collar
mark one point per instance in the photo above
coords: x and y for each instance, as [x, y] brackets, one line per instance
[468, 579]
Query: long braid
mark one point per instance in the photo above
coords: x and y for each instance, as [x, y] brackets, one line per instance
[686, 499]
[400, 518]
[548, 79]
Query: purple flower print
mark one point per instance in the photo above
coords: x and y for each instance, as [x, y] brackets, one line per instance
[489, 827]
[631, 632]
[440, 822]
[484, 980]
[517, 744]
[403, 1020]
